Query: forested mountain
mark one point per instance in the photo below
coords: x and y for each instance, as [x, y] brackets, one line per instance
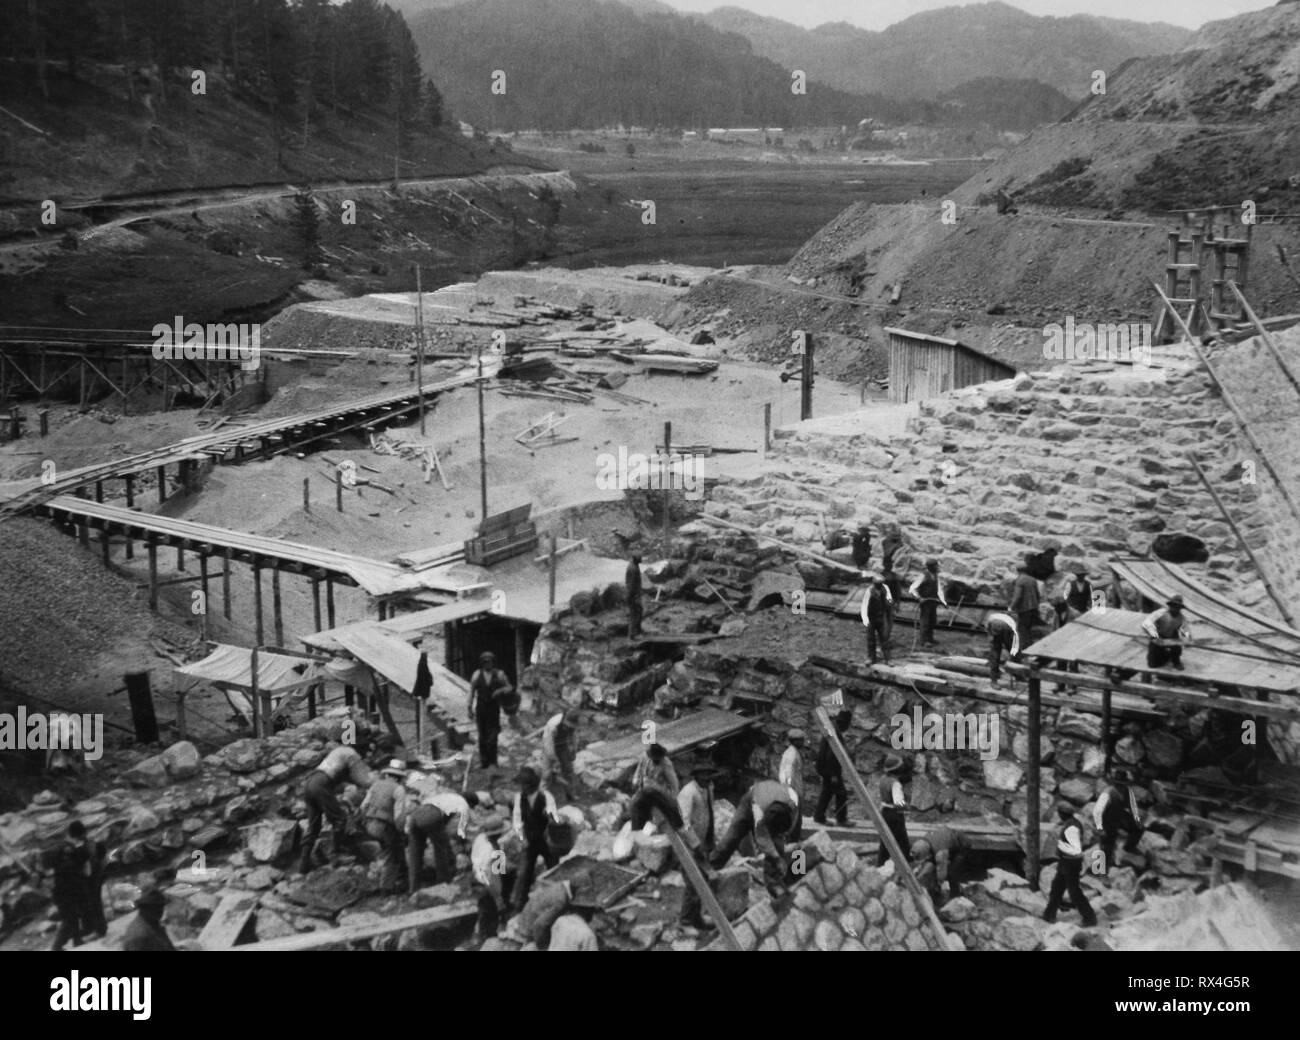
[585, 63]
[294, 57]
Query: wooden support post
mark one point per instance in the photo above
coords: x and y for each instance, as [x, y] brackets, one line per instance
[306, 494]
[130, 490]
[1033, 812]
[130, 546]
[83, 535]
[806, 383]
[315, 603]
[203, 586]
[257, 598]
[550, 585]
[767, 427]
[151, 541]
[99, 491]
[338, 490]
[275, 606]
[329, 601]
[162, 484]
[482, 439]
[44, 415]
[383, 610]
[254, 700]
[902, 868]
[663, 476]
[521, 662]
[180, 557]
[1105, 729]
[103, 543]
[81, 385]
[225, 584]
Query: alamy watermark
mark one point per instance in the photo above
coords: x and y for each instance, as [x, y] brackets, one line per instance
[635, 471]
[59, 731]
[1126, 343]
[193, 342]
[931, 731]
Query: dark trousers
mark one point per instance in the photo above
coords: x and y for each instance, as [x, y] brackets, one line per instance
[878, 637]
[489, 728]
[1067, 880]
[390, 843]
[897, 825]
[427, 825]
[535, 846]
[999, 639]
[1025, 622]
[1113, 820]
[95, 921]
[72, 919]
[640, 808]
[742, 826]
[1159, 656]
[833, 786]
[634, 615]
[929, 615]
[322, 804]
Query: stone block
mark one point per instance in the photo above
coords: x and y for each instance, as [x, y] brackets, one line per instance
[870, 880]
[831, 878]
[1019, 933]
[806, 899]
[1076, 724]
[827, 937]
[181, 760]
[895, 930]
[853, 921]
[1129, 750]
[141, 821]
[436, 895]
[762, 917]
[1078, 790]
[148, 772]
[911, 912]
[653, 851]
[732, 891]
[1001, 775]
[1163, 749]
[957, 910]
[746, 936]
[874, 940]
[892, 898]
[271, 840]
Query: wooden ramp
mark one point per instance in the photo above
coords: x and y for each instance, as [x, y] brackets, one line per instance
[228, 921]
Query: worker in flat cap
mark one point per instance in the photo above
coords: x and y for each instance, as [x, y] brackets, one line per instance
[1069, 867]
[146, 932]
[534, 810]
[928, 589]
[1167, 631]
[489, 688]
[790, 773]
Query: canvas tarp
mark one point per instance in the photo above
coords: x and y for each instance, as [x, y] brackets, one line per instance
[231, 667]
[397, 661]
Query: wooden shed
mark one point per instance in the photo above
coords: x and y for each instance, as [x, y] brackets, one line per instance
[922, 366]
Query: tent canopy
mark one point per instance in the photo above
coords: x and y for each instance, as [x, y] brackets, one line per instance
[231, 668]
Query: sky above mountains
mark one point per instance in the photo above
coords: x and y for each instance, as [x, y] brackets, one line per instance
[878, 14]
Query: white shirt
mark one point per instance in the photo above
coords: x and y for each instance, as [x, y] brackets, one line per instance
[790, 772]
[917, 584]
[1149, 625]
[1008, 620]
[451, 804]
[482, 855]
[866, 596]
[1071, 841]
[517, 818]
[1104, 801]
[897, 793]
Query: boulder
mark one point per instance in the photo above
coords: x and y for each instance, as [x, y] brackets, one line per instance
[1075, 724]
[957, 910]
[732, 890]
[1129, 750]
[1020, 933]
[271, 840]
[1001, 775]
[148, 772]
[181, 760]
[140, 821]
[653, 851]
[436, 895]
[1078, 790]
[1094, 761]
[1163, 749]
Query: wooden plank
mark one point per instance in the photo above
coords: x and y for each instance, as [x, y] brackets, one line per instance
[983, 836]
[359, 932]
[228, 920]
[695, 877]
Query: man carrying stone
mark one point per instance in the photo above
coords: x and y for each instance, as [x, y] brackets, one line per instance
[1002, 636]
[765, 813]
[942, 859]
[558, 750]
[832, 776]
[487, 687]
[427, 824]
[1069, 868]
[337, 767]
[1168, 631]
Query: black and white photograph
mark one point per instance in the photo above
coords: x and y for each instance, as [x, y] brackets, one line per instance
[651, 476]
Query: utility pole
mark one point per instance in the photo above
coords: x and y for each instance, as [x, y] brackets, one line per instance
[482, 438]
[419, 346]
[806, 382]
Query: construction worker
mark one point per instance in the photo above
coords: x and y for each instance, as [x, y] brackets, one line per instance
[655, 770]
[877, 613]
[832, 776]
[427, 824]
[790, 773]
[862, 547]
[1168, 631]
[1069, 867]
[338, 766]
[70, 863]
[1117, 810]
[632, 579]
[383, 814]
[1076, 593]
[941, 859]
[765, 813]
[145, 933]
[892, 806]
[495, 874]
[1002, 636]
[558, 750]
[889, 549]
[534, 809]
[695, 803]
[929, 590]
[487, 688]
[1024, 604]
[95, 922]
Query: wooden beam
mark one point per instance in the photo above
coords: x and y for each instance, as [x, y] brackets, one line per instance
[275, 606]
[359, 932]
[257, 600]
[695, 878]
[902, 869]
[797, 550]
[152, 542]
[225, 584]
[1033, 812]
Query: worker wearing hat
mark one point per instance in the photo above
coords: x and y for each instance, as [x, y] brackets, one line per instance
[534, 809]
[940, 860]
[790, 773]
[929, 590]
[1076, 593]
[892, 806]
[1117, 810]
[383, 815]
[428, 823]
[338, 767]
[877, 614]
[559, 739]
[146, 932]
[1167, 631]
[489, 690]
[1069, 867]
[695, 802]
[494, 875]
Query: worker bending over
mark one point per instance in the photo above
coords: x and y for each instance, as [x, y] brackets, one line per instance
[339, 766]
